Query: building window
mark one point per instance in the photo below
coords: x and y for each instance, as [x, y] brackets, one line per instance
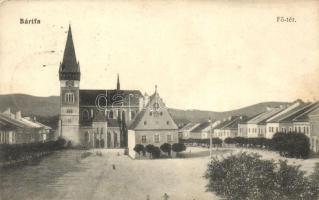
[69, 111]
[111, 114]
[145, 122]
[156, 139]
[169, 138]
[132, 115]
[144, 139]
[69, 97]
[69, 120]
[85, 115]
[167, 122]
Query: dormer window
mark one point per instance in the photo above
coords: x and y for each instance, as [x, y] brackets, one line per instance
[69, 97]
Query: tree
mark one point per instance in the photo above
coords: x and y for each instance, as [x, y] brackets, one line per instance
[229, 140]
[246, 176]
[166, 148]
[291, 144]
[178, 147]
[149, 149]
[139, 148]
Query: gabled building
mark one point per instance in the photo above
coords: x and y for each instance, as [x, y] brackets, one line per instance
[15, 129]
[285, 122]
[185, 131]
[314, 130]
[228, 127]
[256, 127]
[203, 130]
[153, 125]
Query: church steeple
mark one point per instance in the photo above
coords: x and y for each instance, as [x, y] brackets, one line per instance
[69, 68]
[118, 85]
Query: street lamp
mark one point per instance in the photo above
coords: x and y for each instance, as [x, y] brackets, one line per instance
[210, 138]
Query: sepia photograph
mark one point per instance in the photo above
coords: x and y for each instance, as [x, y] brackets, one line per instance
[159, 100]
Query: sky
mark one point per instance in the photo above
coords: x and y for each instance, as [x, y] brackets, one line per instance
[207, 55]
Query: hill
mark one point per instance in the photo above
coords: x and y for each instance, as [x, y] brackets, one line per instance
[47, 107]
[184, 116]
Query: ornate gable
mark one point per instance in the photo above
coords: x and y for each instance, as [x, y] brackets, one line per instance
[154, 116]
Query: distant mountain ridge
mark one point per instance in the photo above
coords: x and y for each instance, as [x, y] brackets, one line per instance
[50, 106]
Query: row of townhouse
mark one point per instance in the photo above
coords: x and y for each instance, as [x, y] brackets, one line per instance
[15, 129]
[295, 117]
[299, 116]
[219, 128]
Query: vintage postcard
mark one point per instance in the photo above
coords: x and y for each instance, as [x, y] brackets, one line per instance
[159, 100]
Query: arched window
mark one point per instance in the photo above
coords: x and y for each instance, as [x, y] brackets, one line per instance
[123, 115]
[111, 114]
[85, 114]
[132, 115]
[69, 97]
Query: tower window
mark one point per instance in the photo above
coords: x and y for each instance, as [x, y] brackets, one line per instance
[69, 97]
[69, 111]
[85, 115]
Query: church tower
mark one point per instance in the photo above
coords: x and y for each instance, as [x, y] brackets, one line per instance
[69, 75]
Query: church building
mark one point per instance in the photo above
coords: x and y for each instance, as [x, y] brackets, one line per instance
[101, 118]
[93, 117]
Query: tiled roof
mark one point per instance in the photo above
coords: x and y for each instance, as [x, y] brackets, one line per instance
[12, 122]
[113, 97]
[190, 126]
[200, 127]
[304, 116]
[263, 117]
[231, 123]
[137, 119]
[69, 63]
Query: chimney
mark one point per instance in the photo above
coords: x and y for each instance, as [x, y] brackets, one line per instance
[18, 115]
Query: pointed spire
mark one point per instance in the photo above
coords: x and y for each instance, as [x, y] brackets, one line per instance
[155, 89]
[118, 86]
[69, 68]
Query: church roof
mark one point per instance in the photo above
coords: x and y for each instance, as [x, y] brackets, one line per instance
[69, 68]
[113, 97]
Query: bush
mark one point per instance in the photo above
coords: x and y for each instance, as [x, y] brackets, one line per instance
[178, 147]
[229, 140]
[166, 148]
[156, 152]
[139, 148]
[291, 144]
[17, 151]
[246, 176]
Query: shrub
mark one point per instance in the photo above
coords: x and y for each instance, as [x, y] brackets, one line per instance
[291, 144]
[178, 147]
[229, 140]
[156, 152]
[139, 148]
[166, 148]
[149, 149]
[246, 176]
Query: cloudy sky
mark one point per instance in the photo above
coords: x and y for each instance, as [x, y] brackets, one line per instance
[209, 55]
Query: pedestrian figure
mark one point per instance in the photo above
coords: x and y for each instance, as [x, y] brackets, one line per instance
[114, 167]
[165, 197]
